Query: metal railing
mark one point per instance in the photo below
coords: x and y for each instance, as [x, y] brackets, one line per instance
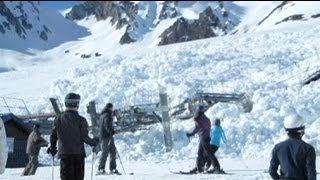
[11, 105]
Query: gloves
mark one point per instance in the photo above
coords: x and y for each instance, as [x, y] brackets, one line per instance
[96, 149]
[52, 150]
[95, 141]
[188, 135]
[113, 132]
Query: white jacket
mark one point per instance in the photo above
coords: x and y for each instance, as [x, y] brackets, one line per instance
[3, 147]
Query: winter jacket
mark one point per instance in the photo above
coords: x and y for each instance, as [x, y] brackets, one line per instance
[34, 143]
[296, 158]
[202, 126]
[71, 131]
[217, 134]
[106, 123]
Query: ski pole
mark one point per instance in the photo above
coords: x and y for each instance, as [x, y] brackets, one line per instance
[52, 170]
[92, 165]
[241, 160]
[120, 161]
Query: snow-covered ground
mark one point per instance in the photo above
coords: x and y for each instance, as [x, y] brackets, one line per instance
[269, 66]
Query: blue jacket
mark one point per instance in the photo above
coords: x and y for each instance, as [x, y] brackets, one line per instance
[297, 160]
[217, 134]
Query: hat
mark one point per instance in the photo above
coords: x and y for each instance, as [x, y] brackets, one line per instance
[201, 108]
[294, 123]
[72, 100]
[109, 105]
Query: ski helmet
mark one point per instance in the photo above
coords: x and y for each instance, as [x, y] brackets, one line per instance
[294, 123]
[109, 105]
[72, 100]
[201, 108]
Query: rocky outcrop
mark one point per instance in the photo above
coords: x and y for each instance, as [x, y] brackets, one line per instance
[126, 39]
[124, 14]
[19, 22]
[168, 10]
[120, 13]
[184, 30]
[291, 18]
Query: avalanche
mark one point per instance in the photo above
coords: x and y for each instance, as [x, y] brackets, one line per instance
[269, 66]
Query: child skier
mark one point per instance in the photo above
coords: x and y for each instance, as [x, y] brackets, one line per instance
[216, 134]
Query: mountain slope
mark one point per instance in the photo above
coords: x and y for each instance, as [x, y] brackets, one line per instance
[139, 18]
[267, 65]
[26, 25]
[269, 15]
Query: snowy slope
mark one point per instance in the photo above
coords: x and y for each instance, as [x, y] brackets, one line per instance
[41, 20]
[247, 17]
[258, 64]
[268, 15]
[268, 65]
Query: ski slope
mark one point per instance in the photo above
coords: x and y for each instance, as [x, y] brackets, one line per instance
[269, 66]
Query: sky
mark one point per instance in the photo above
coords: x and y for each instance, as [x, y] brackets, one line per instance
[264, 65]
[59, 5]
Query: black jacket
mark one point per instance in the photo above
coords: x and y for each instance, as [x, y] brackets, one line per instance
[296, 158]
[71, 131]
[106, 123]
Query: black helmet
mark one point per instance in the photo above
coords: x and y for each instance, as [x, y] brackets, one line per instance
[72, 100]
[217, 122]
[109, 105]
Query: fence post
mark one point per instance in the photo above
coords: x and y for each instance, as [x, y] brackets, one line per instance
[91, 109]
[166, 121]
[55, 105]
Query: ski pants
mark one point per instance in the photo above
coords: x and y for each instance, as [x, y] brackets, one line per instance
[207, 161]
[72, 167]
[32, 166]
[203, 150]
[108, 147]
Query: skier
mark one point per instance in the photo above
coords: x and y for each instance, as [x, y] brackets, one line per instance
[296, 158]
[71, 131]
[217, 133]
[202, 127]
[107, 142]
[34, 143]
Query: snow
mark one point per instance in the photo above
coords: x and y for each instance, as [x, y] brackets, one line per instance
[268, 65]
[61, 29]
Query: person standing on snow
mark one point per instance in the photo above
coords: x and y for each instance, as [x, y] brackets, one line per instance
[217, 133]
[296, 158]
[107, 142]
[34, 143]
[70, 130]
[202, 127]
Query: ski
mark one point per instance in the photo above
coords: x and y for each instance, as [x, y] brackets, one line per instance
[110, 174]
[192, 173]
[182, 172]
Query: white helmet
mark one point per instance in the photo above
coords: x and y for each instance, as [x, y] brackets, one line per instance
[294, 123]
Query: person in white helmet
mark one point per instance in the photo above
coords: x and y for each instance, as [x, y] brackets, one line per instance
[296, 158]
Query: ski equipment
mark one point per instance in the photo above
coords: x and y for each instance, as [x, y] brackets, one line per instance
[120, 161]
[52, 170]
[92, 165]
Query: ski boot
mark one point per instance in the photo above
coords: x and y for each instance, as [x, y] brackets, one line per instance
[115, 171]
